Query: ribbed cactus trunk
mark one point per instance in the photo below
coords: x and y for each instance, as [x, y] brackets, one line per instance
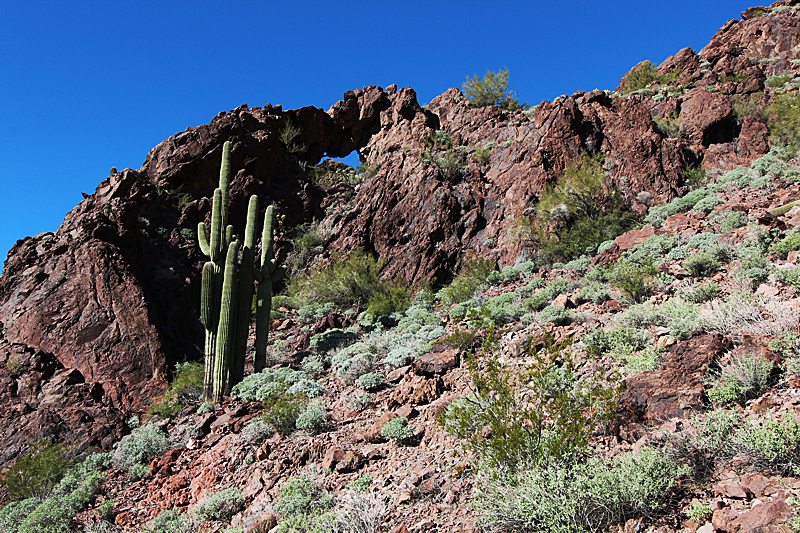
[268, 273]
[227, 290]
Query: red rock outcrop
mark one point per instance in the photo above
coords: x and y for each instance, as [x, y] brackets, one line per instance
[113, 294]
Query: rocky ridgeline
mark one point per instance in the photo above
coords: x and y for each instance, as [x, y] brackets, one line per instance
[94, 316]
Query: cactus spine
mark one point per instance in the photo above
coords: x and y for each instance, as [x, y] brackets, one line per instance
[227, 289]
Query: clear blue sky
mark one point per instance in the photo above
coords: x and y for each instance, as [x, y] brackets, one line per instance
[87, 85]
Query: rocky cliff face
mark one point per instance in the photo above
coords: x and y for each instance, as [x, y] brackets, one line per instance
[110, 299]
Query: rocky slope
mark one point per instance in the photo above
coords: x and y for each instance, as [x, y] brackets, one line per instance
[94, 316]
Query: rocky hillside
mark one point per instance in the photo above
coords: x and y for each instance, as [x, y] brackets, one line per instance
[94, 317]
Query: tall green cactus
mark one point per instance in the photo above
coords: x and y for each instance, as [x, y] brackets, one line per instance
[227, 289]
[268, 273]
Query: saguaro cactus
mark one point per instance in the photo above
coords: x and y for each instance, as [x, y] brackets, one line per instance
[227, 289]
[268, 273]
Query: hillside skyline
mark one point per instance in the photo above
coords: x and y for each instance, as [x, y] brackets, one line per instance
[92, 88]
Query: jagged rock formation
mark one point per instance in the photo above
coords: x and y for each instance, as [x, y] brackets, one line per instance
[113, 295]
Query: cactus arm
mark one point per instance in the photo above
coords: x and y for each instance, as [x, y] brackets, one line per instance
[225, 180]
[216, 226]
[225, 327]
[245, 293]
[264, 294]
[202, 239]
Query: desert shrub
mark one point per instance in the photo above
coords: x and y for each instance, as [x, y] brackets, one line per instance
[789, 243]
[492, 89]
[647, 360]
[36, 473]
[770, 443]
[313, 418]
[750, 105]
[473, 274]
[371, 381]
[482, 154]
[288, 135]
[282, 413]
[392, 299]
[784, 121]
[642, 75]
[556, 315]
[577, 496]
[344, 282]
[416, 318]
[745, 313]
[594, 292]
[301, 497]
[171, 521]
[307, 241]
[784, 345]
[257, 430]
[144, 444]
[580, 211]
[528, 418]
[742, 378]
[459, 310]
[579, 265]
[504, 308]
[186, 389]
[707, 204]
[732, 220]
[220, 506]
[15, 512]
[397, 429]
[702, 293]
[264, 384]
[698, 511]
[652, 249]
[313, 311]
[702, 264]
[637, 282]
[330, 339]
[70, 496]
[657, 215]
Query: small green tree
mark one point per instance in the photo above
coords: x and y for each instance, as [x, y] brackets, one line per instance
[36, 473]
[492, 89]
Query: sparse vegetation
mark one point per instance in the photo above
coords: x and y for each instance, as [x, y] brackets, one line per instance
[492, 89]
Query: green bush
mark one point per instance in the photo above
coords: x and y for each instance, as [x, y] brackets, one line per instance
[492, 89]
[559, 496]
[482, 154]
[789, 243]
[552, 421]
[186, 389]
[330, 339]
[702, 293]
[313, 419]
[282, 413]
[171, 521]
[641, 76]
[784, 121]
[257, 430]
[288, 135]
[579, 212]
[393, 299]
[15, 512]
[371, 381]
[770, 443]
[742, 378]
[702, 264]
[307, 241]
[220, 506]
[35, 474]
[594, 292]
[397, 429]
[556, 315]
[261, 385]
[301, 497]
[637, 282]
[473, 274]
[55, 514]
[344, 282]
[144, 444]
